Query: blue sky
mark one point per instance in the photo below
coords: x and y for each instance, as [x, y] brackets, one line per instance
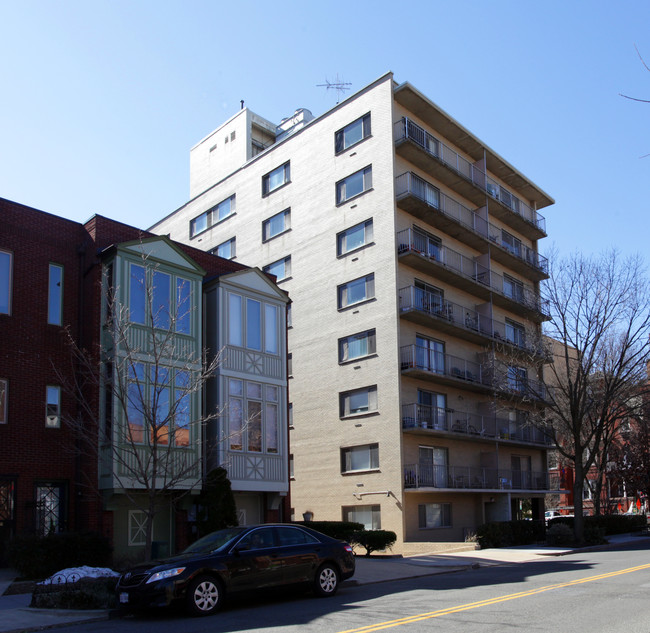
[101, 101]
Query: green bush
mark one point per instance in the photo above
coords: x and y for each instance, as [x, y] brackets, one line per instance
[559, 535]
[342, 530]
[594, 535]
[216, 503]
[610, 523]
[495, 534]
[374, 540]
[42, 556]
[87, 593]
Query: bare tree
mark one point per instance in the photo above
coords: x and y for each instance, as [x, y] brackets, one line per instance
[600, 324]
[139, 394]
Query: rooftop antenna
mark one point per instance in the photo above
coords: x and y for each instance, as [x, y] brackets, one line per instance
[338, 85]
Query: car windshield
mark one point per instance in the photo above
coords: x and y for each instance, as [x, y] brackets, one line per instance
[213, 541]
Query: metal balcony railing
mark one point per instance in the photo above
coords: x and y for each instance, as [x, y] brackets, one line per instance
[411, 184]
[413, 240]
[425, 359]
[432, 304]
[424, 475]
[407, 129]
[421, 416]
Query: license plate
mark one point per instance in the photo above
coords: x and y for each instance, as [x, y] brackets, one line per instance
[124, 598]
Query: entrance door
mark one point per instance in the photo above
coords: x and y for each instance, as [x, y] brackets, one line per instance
[430, 354]
[432, 409]
[521, 471]
[433, 466]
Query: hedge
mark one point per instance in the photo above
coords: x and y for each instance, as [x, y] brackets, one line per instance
[342, 530]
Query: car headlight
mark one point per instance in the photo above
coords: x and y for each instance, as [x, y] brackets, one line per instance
[167, 573]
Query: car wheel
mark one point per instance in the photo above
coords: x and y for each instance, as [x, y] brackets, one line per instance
[204, 595]
[327, 580]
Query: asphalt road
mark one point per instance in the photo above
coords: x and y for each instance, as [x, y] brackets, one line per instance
[595, 591]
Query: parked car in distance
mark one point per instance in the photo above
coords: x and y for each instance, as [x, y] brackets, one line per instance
[235, 560]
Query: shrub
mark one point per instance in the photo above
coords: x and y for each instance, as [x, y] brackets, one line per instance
[559, 535]
[374, 540]
[87, 593]
[42, 556]
[594, 535]
[342, 530]
[216, 503]
[495, 534]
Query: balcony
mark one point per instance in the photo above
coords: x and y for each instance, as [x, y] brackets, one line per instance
[425, 419]
[424, 475]
[422, 362]
[425, 201]
[431, 310]
[424, 253]
[430, 154]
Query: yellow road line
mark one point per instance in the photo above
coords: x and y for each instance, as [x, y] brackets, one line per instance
[484, 603]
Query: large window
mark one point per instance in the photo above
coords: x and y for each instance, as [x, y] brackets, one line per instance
[169, 304]
[517, 378]
[430, 354]
[357, 346]
[275, 179]
[281, 269]
[359, 458]
[52, 407]
[354, 185]
[212, 216]
[513, 288]
[511, 243]
[158, 405]
[55, 295]
[276, 224]
[368, 516]
[253, 324]
[137, 528]
[356, 291]
[6, 266]
[4, 392]
[253, 416]
[358, 401]
[352, 133]
[434, 515]
[353, 238]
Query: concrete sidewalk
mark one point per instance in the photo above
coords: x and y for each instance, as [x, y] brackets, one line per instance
[17, 616]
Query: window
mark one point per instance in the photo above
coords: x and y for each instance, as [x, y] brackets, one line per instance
[158, 405]
[6, 261]
[513, 288]
[511, 243]
[431, 410]
[281, 269]
[253, 416]
[430, 354]
[52, 407]
[368, 516]
[434, 515]
[432, 299]
[352, 133]
[290, 365]
[434, 466]
[358, 401]
[353, 238]
[357, 346]
[275, 179]
[354, 185]
[4, 385]
[225, 249]
[290, 407]
[359, 458]
[276, 224]
[55, 295]
[356, 291]
[165, 313]
[517, 378]
[212, 216]
[515, 333]
[50, 516]
[137, 527]
[253, 324]
[7, 501]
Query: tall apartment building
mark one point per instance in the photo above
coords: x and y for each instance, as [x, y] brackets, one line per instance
[409, 250]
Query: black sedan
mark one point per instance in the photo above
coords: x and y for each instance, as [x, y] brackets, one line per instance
[239, 559]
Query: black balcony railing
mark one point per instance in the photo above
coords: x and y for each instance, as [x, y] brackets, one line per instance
[416, 241]
[421, 416]
[425, 475]
[409, 184]
[405, 129]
